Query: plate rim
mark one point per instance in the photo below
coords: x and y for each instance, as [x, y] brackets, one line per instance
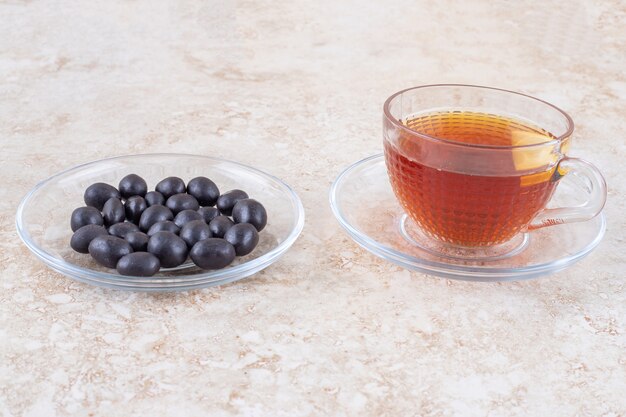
[446, 270]
[202, 279]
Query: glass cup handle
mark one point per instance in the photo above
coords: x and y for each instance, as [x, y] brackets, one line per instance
[590, 180]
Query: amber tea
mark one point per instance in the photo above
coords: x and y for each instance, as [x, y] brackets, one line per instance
[466, 209]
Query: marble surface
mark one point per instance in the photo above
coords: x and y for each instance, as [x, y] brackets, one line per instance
[296, 88]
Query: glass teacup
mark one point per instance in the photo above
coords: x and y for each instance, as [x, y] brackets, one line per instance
[474, 166]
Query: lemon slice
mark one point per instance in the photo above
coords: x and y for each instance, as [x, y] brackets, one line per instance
[526, 159]
[534, 157]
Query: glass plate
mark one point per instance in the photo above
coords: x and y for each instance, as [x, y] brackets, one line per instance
[43, 218]
[363, 201]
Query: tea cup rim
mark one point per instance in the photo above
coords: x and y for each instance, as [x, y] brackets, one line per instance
[398, 124]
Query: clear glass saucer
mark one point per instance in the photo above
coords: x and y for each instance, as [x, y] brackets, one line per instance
[43, 218]
[363, 202]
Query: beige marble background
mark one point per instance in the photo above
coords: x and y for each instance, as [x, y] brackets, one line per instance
[296, 88]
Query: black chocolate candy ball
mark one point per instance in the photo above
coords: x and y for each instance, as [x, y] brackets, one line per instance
[212, 253]
[152, 215]
[113, 212]
[122, 229]
[204, 190]
[227, 201]
[220, 225]
[194, 232]
[107, 250]
[82, 237]
[138, 241]
[169, 248]
[97, 194]
[139, 264]
[244, 238]
[187, 216]
[134, 206]
[154, 198]
[170, 186]
[165, 225]
[180, 202]
[250, 211]
[83, 216]
[131, 185]
[208, 213]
